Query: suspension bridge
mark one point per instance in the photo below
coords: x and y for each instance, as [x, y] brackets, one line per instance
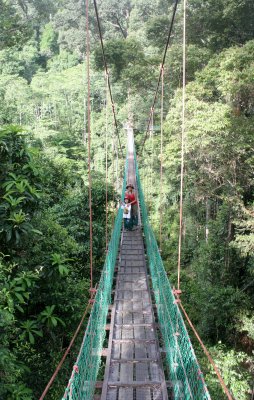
[135, 320]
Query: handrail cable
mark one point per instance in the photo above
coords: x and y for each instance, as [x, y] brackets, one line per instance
[107, 73]
[223, 385]
[160, 74]
[89, 141]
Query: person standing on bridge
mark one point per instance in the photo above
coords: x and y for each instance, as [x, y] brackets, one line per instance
[126, 207]
[134, 204]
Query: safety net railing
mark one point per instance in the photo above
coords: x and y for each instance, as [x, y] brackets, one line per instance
[185, 374]
[85, 370]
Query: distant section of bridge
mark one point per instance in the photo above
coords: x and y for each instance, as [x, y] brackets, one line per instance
[134, 367]
[147, 338]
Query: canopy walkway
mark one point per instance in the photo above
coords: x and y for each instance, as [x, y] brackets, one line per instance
[149, 353]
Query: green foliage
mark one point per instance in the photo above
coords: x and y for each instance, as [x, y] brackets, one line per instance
[60, 263]
[15, 292]
[157, 31]
[13, 30]
[47, 317]
[18, 195]
[245, 324]
[231, 365]
[221, 24]
[121, 55]
[48, 44]
[115, 15]
[20, 392]
[30, 328]
[47, 204]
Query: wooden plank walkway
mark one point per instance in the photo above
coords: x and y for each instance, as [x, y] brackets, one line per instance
[133, 368]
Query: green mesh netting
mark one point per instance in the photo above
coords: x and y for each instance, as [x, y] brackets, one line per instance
[185, 374]
[83, 379]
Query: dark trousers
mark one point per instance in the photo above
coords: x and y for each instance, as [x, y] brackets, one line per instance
[134, 214]
[128, 224]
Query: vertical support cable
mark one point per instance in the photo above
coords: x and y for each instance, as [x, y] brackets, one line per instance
[143, 169]
[152, 164]
[89, 140]
[106, 164]
[182, 149]
[113, 179]
[149, 179]
[161, 138]
[117, 170]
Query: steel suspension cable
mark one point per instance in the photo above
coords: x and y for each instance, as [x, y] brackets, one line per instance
[150, 181]
[107, 72]
[161, 142]
[160, 74]
[182, 152]
[113, 180]
[223, 385]
[89, 141]
[117, 170]
[143, 170]
[106, 164]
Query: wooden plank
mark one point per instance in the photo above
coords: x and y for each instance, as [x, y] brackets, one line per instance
[145, 313]
[128, 289]
[142, 372]
[133, 361]
[135, 384]
[111, 393]
[152, 325]
[134, 341]
[131, 273]
[126, 370]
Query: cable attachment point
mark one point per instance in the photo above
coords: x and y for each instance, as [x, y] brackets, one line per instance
[162, 67]
[177, 293]
[92, 291]
[75, 369]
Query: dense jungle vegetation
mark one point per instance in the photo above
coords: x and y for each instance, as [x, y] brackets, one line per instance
[44, 227]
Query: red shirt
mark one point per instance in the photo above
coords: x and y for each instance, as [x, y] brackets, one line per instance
[131, 197]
